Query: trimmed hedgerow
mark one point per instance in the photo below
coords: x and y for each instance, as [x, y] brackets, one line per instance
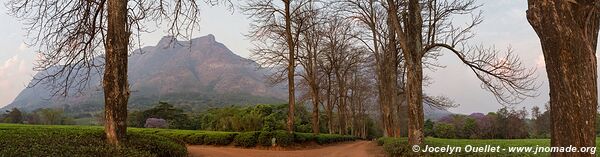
[332, 138]
[283, 138]
[196, 139]
[303, 137]
[219, 138]
[247, 139]
[35, 140]
[264, 138]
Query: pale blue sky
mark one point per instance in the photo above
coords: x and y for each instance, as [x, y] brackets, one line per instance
[505, 24]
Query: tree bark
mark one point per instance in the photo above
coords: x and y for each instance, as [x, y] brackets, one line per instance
[568, 32]
[315, 113]
[291, 67]
[116, 88]
[415, 102]
[330, 105]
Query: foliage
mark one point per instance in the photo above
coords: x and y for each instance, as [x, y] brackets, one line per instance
[219, 138]
[174, 116]
[303, 137]
[504, 124]
[332, 138]
[247, 139]
[156, 123]
[428, 126]
[18, 140]
[264, 138]
[252, 118]
[244, 139]
[444, 130]
[283, 138]
[14, 116]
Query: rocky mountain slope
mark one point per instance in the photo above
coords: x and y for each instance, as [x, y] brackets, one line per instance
[197, 74]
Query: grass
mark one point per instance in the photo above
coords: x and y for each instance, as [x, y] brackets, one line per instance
[400, 147]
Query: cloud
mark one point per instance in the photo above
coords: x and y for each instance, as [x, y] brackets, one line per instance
[14, 74]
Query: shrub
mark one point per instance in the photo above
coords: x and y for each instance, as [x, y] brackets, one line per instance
[219, 138]
[196, 139]
[246, 139]
[332, 138]
[161, 146]
[303, 137]
[397, 148]
[18, 140]
[283, 138]
[264, 138]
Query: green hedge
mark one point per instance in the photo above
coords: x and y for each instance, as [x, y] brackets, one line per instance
[283, 138]
[264, 138]
[219, 138]
[35, 140]
[247, 139]
[332, 138]
[303, 137]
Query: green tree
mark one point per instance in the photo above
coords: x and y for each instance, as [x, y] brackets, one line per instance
[429, 127]
[469, 128]
[175, 116]
[14, 116]
[444, 130]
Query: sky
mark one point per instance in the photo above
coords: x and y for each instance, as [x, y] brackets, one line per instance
[504, 25]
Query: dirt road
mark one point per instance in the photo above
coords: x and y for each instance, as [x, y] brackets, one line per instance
[353, 149]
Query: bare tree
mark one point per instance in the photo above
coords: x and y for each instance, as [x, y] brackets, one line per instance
[74, 36]
[369, 14]
[568, 32]
[424, 27]
[274, 24]
[310, 45]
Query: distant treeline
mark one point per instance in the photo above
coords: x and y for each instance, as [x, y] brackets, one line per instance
[262, 117]
[46, 116]
[504, 124]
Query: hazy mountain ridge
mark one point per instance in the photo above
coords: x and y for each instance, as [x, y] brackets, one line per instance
[198, 73]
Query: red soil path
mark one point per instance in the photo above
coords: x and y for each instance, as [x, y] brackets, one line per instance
[352, 149]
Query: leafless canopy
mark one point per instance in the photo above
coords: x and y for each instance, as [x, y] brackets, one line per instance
[501, 73]
[267, 29]
[70, 34]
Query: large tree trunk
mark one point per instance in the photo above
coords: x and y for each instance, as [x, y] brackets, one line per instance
[315, 113]
[291, 67]
[415, 102]
[568, 32]
[330, 106]
[116, 88]
[342, 103]
[413, 59]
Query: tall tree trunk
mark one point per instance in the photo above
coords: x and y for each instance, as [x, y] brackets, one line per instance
[291, 67]
[116, 88]
[415, 102]
[413, 61]
[330, 106]
[568, 32]
[342, 104]
[315, 113]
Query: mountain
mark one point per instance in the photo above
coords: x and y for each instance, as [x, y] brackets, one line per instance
[196, 74]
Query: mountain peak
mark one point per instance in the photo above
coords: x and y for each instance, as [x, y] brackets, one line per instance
[210, 37]
[166, 41]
